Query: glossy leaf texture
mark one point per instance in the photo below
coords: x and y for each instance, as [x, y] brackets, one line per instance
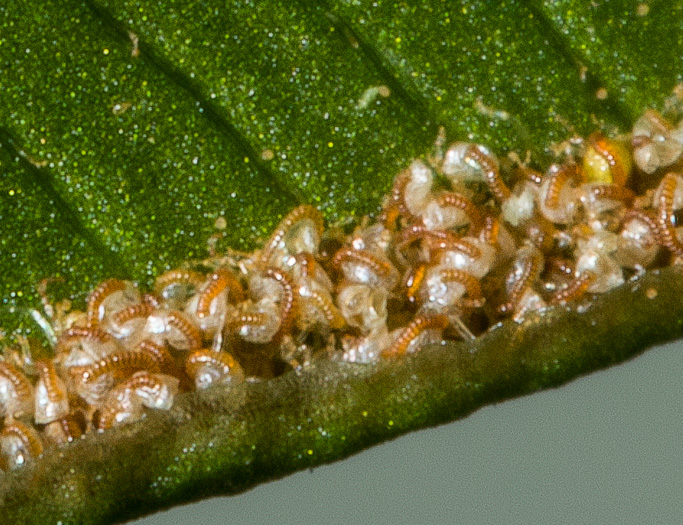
[130, 126]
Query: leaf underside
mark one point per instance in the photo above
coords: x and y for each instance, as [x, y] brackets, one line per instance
[129, 127]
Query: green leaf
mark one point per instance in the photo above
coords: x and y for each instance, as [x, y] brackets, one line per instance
[129, 127]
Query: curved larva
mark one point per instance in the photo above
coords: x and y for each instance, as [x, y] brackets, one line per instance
[174, 328]
[288, 300]
[125, 402]
[322, 302]
[93, 341]
[656, 142]
[118, 364]
[575, 289]
[409, 337]
[64, 430]
[302, 216]
[558, 198]
[606, 161]
[364, 267]
[16, 391]
[207, 368]
[19, 443]
[97, 297]
[51, 398]
[218, 282]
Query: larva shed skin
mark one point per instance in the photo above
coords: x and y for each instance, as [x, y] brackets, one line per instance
[463, 242]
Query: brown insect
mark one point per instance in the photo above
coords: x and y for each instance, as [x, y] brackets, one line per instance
[557, 178]
[207, 367]
[97, 297]
[437, 240]
[613, 192]
[410, 333]
[667, 229]
[75, 335]
[19, 442]
[491, 229]
[607, 151]
[118, 365]
[324, 304]
[159, 353]
[51, 399]
[449, 198]
[300, 213]
[219, 281]
[19, 397]
[522, 276]
[288, 300]
[491, 174]
[135, 311]
[64, 430]
[364, 267]
[575, 289]
[182, 324]
[469, 282]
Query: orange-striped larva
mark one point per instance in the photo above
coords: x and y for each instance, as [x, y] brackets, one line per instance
[219, 281]
[574, 290]
[19, 443]
[364, 267]
[207, 368]
[51, 397]
[16, 391]
[286, 237]
[409, 337]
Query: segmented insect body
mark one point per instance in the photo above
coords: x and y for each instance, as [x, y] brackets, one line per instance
[300, 231]
[64, 430]
[109, 297]
[465, 161]
[422, 330]
[600, 198]
[316, 307]
[128, 320]
[450, 210]
[656, 142]
[176, 286]
[154, 390]
[173, 328]
[207, 368]
[606, 161]
[19, 443]
[258, 323]
[365, 349]
[51, 397]
[638, 244]
[16, 391]
[92, 343]
[363, 307]
[466, 251]
[364, 267]
[126, 402]
[595, 255]
[575, 289]
[521, 280]
[558, 197]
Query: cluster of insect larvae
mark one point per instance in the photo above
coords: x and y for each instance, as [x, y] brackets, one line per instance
[464, 241]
